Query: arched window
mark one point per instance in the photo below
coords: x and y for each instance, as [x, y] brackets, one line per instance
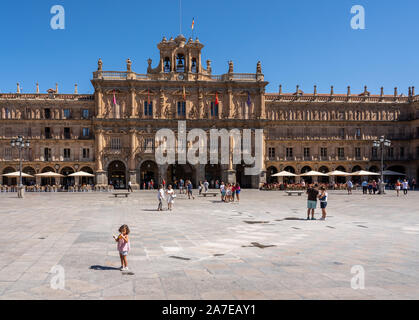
[180, 66]
[194, 67]
[167, 67]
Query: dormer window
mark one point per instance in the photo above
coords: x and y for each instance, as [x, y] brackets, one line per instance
[193, 67]
[180, 66]
[167, 64]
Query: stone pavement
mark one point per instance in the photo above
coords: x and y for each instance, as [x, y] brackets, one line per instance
[205, 249]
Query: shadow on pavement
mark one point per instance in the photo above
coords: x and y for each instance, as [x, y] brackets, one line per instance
[103, 268]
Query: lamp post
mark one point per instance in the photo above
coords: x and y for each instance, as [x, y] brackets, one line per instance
[20, 144]
[382, 143]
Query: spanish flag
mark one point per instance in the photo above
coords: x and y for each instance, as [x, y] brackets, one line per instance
[216, 99]
[193, 23]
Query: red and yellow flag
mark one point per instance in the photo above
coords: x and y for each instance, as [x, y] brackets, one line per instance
[193, 24]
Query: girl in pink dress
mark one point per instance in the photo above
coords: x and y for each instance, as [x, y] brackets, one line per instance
[123, 246]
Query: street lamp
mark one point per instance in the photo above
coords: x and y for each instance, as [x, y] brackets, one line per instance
[382, 143]
[20, 144]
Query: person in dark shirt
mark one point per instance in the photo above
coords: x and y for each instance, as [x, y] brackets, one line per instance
[312, 193]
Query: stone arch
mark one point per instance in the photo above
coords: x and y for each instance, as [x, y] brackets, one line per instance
[180, 171]
[6, 180]
[149, 172]
[67, 181]
[117, 174]
[87, 180]
[213, 172]
[270, 171]
[289, 179]
[340, 179]
[32, 172]
[304, 170]
[324, 169]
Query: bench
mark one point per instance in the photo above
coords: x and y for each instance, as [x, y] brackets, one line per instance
[290, 193]
[116, 194]
[208, 193]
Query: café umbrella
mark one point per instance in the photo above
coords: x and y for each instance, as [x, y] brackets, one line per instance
[313, 174]
[284, 174]
[49, 175]
[81, 174]
[338, 173]
[392, 173]
[364, 173]
[17, 175]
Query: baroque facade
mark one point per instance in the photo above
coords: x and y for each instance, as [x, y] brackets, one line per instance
[112, 132]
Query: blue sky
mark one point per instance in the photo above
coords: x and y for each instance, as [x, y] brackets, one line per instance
[302, 42]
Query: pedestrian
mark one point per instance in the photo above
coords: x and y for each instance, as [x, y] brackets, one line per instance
[123, 246]
[228, 192]
[312, 193]
[364, 187]
[349, 186]
[130, 186]
[170, 193]
[200, 188]
[405, 186]
[222, 191]
[374, 186]
[189, 187]
[323, 202]
[181, 184]
[238, 192]
[370, 187]
[398, 187]
[160, 197]
[413, 184]
[206, 186]
[233, 191]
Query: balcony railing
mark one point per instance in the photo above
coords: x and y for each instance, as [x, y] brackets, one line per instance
[124, 75]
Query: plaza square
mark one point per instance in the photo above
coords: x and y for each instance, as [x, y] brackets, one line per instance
[259, 248]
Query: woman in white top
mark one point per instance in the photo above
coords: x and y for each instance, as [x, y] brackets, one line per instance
[170, 197]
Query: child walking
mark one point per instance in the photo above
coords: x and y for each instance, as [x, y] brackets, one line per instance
[123, 246]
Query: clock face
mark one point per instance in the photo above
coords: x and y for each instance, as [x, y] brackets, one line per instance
[181, 77]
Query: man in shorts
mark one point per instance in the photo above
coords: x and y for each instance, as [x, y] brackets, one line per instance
[312, 193]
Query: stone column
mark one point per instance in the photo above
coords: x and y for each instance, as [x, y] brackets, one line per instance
[99, 97]
[231, 173]
[200, 173]
[230, 102]
[261, 177]
[101, 178]
[133, 103]
[262, 103]
[131, 163]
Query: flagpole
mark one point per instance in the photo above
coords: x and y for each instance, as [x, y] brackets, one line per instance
[180, 16]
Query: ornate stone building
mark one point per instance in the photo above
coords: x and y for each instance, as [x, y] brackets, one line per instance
[112, 132]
